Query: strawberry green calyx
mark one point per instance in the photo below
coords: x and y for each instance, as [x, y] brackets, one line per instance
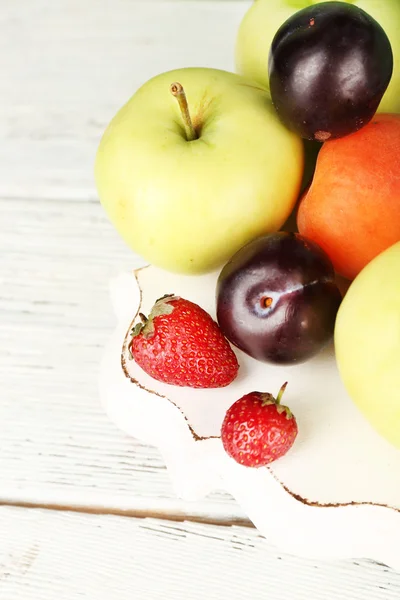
[268, 398]
[139, 327]
[162, 306]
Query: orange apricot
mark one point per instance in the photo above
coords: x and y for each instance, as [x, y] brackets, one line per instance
[352, 208]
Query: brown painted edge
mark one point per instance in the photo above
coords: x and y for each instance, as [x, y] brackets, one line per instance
[317, 504]
[195, 435]
[199, 438]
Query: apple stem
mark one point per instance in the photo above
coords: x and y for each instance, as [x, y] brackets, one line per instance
[179, 93]
[280, 393]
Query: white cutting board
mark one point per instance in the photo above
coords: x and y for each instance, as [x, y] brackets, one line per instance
[336, 494]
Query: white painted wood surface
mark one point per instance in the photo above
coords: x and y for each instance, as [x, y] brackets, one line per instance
[64, 556]
[66, 67]
[71, 66]
[56, 445]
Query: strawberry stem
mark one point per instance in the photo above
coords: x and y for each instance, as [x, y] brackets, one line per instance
[280, 393]
[143, 318]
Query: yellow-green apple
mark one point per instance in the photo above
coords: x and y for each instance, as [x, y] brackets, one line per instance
[367, 342]
[264, 18]
[194, 166]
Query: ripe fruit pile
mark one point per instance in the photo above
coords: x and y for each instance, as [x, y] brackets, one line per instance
[241, 172]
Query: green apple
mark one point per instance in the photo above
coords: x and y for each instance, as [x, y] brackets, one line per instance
[367, 342]
[190, 172]
[264, 18]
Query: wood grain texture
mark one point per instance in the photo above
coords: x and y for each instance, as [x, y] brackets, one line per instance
[56, 445]
[47, 555]
[67, 66]
[71, 67]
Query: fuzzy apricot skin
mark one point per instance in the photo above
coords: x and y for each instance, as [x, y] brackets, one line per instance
[352, 208]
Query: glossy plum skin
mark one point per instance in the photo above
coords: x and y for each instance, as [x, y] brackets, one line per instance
[329, 66]
[277, 299]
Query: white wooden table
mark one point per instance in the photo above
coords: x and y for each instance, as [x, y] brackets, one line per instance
[87, 512]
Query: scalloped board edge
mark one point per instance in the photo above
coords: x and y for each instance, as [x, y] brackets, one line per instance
[197, 465]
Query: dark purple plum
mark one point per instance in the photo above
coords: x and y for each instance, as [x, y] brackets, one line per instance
[329, 66]
[277, 298]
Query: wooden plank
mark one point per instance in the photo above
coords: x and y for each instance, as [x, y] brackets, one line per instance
[56, 445]
[67, 66]
[71, 65]
[47, 555]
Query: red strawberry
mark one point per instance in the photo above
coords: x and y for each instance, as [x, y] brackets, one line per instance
[257, 429]
[179, 343]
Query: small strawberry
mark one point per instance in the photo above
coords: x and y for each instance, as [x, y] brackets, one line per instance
[180, 344]
[257, 429]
